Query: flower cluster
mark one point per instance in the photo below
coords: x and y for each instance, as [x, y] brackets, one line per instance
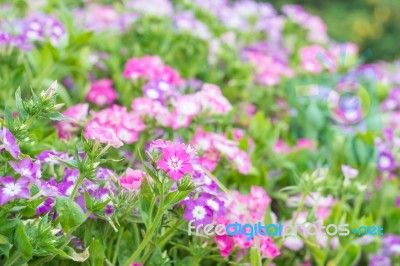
[114, 125]
[38, 27]
[151, 68]
[214, 145]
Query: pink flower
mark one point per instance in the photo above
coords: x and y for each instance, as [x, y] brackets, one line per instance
[146, 107]
[176, 162]
[270, 68]
[125, 125]
[268, 248]
[225, 244]
[151, 68]
[281, 147]
[187, 105]
[179, 120]
[136, 264]
[133, 179]
[349, 172]
[314, 59]
[102, 134]
[293, 243]
[212, 143]
[78, 112]
[212, 100]
[304, 144]
[242, 161]
[101, 92]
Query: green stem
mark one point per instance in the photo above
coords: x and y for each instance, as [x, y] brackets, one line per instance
[299, 208]
[114, 260]
[151, 230]
[163, 239]
[147, 238]
[77, 185]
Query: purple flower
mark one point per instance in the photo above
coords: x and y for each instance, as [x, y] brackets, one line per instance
[46, 156]
[198, 211]
[158, 90]
[9, 143]
[45, 206]
[47, 188]
[386, 161]
[65, 187]
[12, 189]
[379, 260]
[217, 205]
[398, 202]
[27, 168]
[391, 244]
[349, 172]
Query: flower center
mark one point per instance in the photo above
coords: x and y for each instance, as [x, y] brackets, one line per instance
[25, 172]
[384, 162]
[174, 163]
[11, 189]
[199, 212]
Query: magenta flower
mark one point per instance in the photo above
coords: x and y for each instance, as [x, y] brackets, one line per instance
[225, 244]
[268, 248]
[9, 143]
[133, 179]
[12, 189]
[45, 206]
[101, 92]
[27, 168]
[176, 162]
[386, 161]
[151, 68]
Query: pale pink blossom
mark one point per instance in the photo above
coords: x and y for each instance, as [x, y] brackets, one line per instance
[132, 179]
[103, 135]
[67, 128]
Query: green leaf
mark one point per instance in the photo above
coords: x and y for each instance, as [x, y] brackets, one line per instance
[145, 199]
[5, 249]
[57, 116]
[70, 253]
[22, 242]
[3, 240]
[176, 196]
[69, 163]
[23, 115]
[255, 258]
[70, 215]
[6, 224]
[8, 118]
[318, 254]
[96, 250]
[352, 255]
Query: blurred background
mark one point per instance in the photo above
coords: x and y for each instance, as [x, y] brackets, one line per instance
[372, 24]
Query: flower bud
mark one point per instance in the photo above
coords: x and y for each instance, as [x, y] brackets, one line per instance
[50, 91]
